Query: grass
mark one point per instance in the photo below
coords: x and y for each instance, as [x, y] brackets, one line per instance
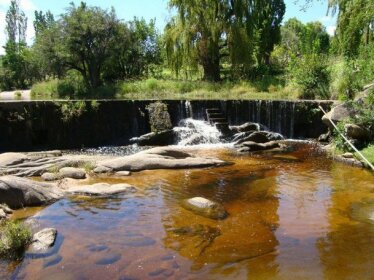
[152, 89]
[368, 152]
[14, 238]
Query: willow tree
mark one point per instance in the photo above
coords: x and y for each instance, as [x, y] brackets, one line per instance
[355, 24]
[205, 31]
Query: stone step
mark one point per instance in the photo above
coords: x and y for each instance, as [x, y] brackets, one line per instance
[213, 110]
[215, 115]
[218, 120]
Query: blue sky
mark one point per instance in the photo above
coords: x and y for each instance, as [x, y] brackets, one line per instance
[127, 9]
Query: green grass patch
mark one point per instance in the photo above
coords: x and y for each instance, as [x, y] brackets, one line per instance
[268, 87]
[368, 152]
[14, 238]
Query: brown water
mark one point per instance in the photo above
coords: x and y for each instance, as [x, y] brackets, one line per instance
[294, 216]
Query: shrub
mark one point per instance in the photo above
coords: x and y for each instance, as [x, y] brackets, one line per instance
[14, 238]
[311, 74]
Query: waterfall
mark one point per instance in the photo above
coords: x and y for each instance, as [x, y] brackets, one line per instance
[192, 132]
[188, 109]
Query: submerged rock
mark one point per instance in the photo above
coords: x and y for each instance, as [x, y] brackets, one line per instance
[72, 172]
[102, 189]
[21, 192]
[159, 158]
[205, 207]
[44, 239]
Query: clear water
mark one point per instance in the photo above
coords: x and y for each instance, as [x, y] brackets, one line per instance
[291, 216]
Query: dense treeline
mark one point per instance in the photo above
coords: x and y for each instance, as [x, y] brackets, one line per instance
[88, 49]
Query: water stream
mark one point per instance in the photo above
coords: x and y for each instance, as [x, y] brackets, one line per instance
[297, 215]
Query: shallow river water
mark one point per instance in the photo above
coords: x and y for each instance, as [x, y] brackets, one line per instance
[291, 216]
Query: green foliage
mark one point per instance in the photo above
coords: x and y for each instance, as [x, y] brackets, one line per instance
[206, 33]
[14, 238]
[311, 74]
[159, 117]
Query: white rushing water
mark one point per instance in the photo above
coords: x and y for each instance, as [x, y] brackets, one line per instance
[192, 132]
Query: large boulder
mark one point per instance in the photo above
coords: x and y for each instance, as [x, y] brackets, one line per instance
[163, 138]
[356, 132]
[72, 172]
[260, 137]
[21, 192]
[159, 158]
[205, 207]
[337, 114]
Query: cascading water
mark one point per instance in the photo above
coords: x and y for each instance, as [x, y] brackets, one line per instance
[197, 132]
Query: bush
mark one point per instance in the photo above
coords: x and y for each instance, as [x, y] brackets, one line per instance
[311, 74]
[14, 238]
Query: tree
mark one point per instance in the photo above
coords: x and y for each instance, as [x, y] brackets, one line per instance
[136, 53]
[204, 32]
[15, 66]
[85, 37]
[43, 21]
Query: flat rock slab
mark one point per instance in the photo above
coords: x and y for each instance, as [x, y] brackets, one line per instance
[205, 207]
[102, 189]
[44, 239]
[8, 159]
[19, 192]
[160, 158]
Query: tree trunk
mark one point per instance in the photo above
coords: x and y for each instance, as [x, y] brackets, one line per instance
[212, 72]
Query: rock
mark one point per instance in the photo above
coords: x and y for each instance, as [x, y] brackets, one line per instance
[102, 169]
[348, 155]
[250, 146]
[72, 172]
[205, 207]
[102, 189]
[337, 114]
[356, 132]
[3, 215]
[163, 138]
[8, 159]
[50, 177]
[324, 137]
[261, 137]
[21, 192]
[249, 126]
[123, 173]
[160, 158]
[6, 209]
[44, 239]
